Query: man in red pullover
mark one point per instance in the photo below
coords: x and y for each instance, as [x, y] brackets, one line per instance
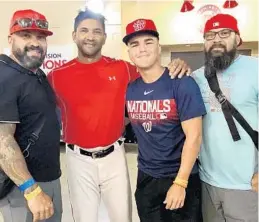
[91, 91]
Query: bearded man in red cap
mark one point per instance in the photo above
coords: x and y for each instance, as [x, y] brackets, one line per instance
[166, 116]
[228, 158]
[29, 126]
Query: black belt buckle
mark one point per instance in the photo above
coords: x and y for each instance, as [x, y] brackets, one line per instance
[96, 154]
[103, 153]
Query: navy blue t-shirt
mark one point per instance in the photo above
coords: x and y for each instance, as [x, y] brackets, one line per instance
[156, 111]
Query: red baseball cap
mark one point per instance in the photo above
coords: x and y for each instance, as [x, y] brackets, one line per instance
[28, 14]
[140, 26]
[222, 21]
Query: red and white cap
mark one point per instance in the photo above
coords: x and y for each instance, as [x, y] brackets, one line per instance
[222, 21]
[28, 13]
[140, 26]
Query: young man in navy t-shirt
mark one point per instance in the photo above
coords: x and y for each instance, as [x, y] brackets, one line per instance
[166, 115]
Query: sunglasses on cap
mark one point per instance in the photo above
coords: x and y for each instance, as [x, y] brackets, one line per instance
[28, 22]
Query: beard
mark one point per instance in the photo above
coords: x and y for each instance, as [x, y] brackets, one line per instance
[220, 60]
[29, 62]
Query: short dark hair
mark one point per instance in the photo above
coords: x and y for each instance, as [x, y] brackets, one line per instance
[88, 14]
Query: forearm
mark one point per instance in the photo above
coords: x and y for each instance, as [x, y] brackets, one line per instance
[189, 156]
[12, 161]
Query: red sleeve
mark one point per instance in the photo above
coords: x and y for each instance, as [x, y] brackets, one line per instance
[132, 71]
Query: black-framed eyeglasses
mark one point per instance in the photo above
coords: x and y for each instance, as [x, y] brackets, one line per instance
[28, 22]
[224, 33]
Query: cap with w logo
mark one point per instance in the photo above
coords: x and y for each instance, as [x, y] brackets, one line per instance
[140, 26]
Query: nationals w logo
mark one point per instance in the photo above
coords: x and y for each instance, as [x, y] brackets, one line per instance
[147, 126]
[139, 25]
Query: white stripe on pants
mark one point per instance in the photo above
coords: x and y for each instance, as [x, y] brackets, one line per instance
[90, 180]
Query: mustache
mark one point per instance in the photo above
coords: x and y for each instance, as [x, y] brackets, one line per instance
[90, 41]
[217, 45]
[38, 48]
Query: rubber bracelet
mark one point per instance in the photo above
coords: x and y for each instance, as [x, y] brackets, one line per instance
[180, 184]
[29, 183]
[33, 194]
[181, 180]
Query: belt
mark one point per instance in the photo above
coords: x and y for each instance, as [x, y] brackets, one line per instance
[96, 154]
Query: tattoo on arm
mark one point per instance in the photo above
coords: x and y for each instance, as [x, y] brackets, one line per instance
[12, 161]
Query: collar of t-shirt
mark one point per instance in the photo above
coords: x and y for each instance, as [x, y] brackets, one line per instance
[164, 75]
[98, 63]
